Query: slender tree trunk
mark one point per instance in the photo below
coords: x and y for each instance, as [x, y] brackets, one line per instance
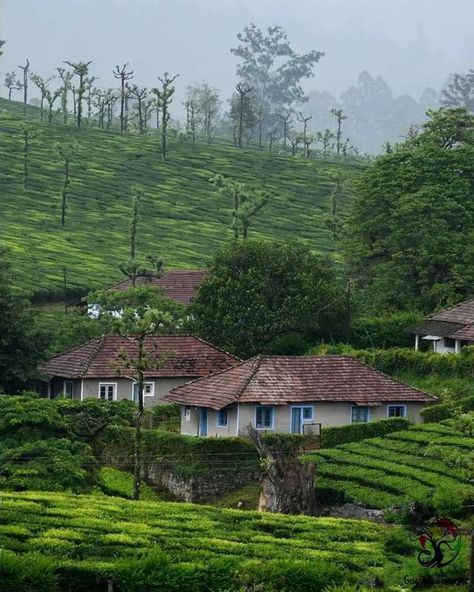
[241, 119]
[122, 106]
[10, 94]
[137, 473]
[64, 193]
[26, 158]
[164, 130]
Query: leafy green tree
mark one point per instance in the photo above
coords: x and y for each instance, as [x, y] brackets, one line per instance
[164, 97]
[28, 134]
[42, 85]
[203, 108]
[339, 115]
[67, 151]
[258, 292]
[412, 229]
[304, 120]
[22, 345]
[136, 314]
[271, 66]
[81, 70]
[246, 203]
[12, 83]
[66, 79]
[460, 92]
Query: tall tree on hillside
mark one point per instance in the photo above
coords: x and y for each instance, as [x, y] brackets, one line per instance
[271, 67]
[81, 70]
[12, 83]
[164, 96]
[284, 116]
[304, 120]
[205, 102]
[42, 85]
[66, 79]
[26, 76]
[412, 229]
[137, 195]
[91, 93]
[244, 99]
[22, 346]
[326, 140]
[124, 75]
[140, 95]
[2, 43]
[460, 92]
[340, 117]
[136, 315]
[246, 202]
[67, 152]
[259, 294]
[28, 134]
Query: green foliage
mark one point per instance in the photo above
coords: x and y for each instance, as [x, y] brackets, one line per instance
[27, 572]
[168, 546]
[176, 210]
[186, 456]
[46, 445]
[413, 223]
[120, 483]
[398, 469]
[258, 291]
[333, 436]
[22, 345]
[383, 332]
[52, 464]
[164, 417]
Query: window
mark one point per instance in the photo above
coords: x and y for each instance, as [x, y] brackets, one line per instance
[360, 414]
[222, 418]
[396, 411]
[68, 389]
[148, 390]
[107, 391]
[448, 342]
[264, 418]
[307, 413]
[187, 413]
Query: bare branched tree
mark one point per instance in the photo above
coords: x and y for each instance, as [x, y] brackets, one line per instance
[121, 73]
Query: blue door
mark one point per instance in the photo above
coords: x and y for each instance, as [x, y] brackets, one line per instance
[203, 421]
[296, 420]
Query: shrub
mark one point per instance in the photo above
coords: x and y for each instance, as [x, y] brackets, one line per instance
[384, 332]
[164, 417]
[333, 436]
[120, 483]
[26, 572]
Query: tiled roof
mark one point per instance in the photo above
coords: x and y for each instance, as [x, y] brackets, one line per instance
[178, 355]
[438, 328]
[466, 333]
[178, 285]
[280, 380]
[462, 313]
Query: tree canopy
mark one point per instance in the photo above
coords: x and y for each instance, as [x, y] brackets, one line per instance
[22, 345]
[412, 229]
[268, 297]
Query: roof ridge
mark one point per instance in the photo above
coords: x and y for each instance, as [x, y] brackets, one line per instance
[242, 363]
[73, 349]
[247, 381]
[86, 366]
[447, 309]
[211, 345]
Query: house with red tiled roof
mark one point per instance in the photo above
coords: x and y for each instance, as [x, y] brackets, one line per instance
[293, 394]
[448, 330]
[178, 285]
[97, 368]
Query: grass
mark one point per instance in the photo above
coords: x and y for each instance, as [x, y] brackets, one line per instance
[120, 483]
[393, 470]
[243, 498]
[183, 219]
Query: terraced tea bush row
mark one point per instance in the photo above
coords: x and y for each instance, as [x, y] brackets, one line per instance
[393, 470]
[83, 540]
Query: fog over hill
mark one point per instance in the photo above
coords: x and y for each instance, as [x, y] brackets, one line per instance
[410, 44]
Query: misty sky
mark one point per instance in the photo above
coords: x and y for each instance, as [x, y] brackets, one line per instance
[410, 43]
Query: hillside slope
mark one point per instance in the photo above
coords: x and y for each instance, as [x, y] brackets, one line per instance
[394, 470]
[183, 219]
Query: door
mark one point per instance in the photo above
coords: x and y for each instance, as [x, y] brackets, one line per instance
[296, 423]
[203, 421]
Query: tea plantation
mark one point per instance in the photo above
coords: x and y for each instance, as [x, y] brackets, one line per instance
[394, 470]
[78, 542]
[183, 219]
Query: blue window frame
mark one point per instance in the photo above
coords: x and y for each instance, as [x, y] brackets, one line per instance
[222, 418]
[360, 414]
[264, 417]
[396, 411]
